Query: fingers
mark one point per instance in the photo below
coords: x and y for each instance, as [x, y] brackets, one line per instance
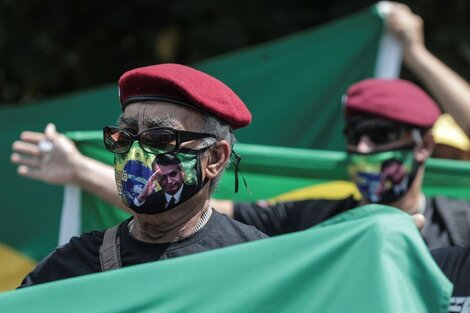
[26, 148]
[44, 156]
[406, 26]
[156, 175]
[29, 140]
[398, 7]
[28, 157]
[50, 131]
[398, 14]
[30, 172]
[32, 137]
[21, 159]
[27, 154]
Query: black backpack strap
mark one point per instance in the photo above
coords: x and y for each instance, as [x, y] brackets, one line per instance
[110, 256]
[456, 215]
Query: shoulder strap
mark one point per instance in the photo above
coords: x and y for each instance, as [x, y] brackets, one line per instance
[110, 256]
[456, 215]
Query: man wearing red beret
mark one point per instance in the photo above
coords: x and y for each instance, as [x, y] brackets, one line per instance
[170, 112]
[388, 134]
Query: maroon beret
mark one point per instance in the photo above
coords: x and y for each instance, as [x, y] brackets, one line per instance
[184, 85]
[394, 99]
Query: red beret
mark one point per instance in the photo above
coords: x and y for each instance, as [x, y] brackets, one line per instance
[394, 99]
[184, 85]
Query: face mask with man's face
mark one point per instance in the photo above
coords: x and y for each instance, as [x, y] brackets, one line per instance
[154, 174]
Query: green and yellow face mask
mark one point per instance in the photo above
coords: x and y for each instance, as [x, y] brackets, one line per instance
[383, 177]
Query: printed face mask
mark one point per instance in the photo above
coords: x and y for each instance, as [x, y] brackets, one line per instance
[152, 184]
[383, 177]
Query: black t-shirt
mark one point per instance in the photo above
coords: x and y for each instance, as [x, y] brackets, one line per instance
[446, 219]
[455, 263]
[286, 217]
[81, 255]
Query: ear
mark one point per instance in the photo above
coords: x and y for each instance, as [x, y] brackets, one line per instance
[424, 150]
[218, 155]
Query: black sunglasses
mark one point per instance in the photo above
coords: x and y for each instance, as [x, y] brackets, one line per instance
[379, 135]
[158, 140]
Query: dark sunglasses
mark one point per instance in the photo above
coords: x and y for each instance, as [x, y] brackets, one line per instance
[379, 135]
[158, 140]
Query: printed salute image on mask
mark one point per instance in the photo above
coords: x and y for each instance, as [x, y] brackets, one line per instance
[156, 183]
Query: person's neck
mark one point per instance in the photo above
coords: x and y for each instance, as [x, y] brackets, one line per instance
[172, 225]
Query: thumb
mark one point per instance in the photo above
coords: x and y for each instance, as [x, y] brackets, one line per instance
[419, 220]
[50, 132]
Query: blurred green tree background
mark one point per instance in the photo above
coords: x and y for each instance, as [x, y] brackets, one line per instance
[51, 47]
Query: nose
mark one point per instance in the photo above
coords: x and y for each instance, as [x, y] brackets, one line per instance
[170, 180]
[365, 145]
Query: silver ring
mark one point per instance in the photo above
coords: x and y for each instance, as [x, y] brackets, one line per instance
[45, 146]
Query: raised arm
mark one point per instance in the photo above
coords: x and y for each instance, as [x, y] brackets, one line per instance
[450, 90]
[53, 158]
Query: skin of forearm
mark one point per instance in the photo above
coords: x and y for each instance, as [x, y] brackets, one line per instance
[223, 206]
[450, 90]
[98, 179]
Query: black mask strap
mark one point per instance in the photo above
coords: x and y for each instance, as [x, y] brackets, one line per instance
[237, 170]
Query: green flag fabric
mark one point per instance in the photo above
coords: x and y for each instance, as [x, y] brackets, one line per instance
[370, 259]
[305, 76]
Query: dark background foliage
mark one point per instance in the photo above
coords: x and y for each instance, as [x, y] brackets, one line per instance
[51, 47]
